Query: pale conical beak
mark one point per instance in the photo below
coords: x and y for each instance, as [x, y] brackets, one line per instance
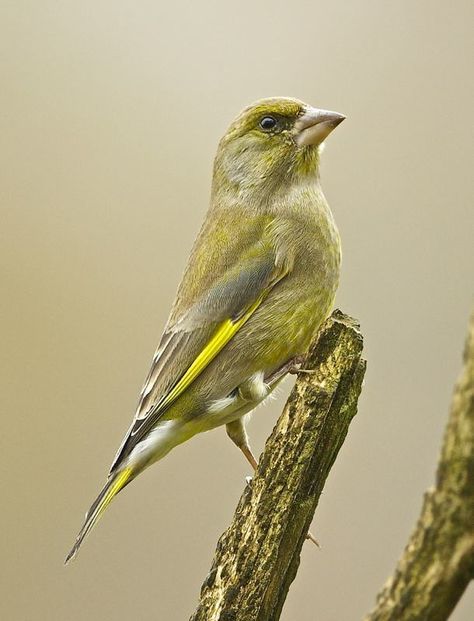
[316, 125]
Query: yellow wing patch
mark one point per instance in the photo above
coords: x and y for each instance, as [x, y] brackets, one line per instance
[221, 337]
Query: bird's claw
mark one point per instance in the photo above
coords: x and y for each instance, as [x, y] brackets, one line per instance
[295, 370]
[312, 538]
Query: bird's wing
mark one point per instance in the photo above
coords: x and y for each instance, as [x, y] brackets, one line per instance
[196, 337]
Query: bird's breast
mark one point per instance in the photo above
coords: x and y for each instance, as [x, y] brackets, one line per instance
[295, 309]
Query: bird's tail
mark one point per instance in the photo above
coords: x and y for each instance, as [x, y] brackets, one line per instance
[115, 483]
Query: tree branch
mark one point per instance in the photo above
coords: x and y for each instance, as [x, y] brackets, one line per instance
[438, 561]
[258, 556]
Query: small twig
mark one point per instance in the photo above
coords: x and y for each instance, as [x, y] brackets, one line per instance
[258, 556]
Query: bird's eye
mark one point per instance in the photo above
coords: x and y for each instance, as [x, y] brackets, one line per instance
[268, 123]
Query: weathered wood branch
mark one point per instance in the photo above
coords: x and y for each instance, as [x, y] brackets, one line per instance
[438, 561]
[258, 556]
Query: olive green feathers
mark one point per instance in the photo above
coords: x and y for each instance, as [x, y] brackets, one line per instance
[260, 280]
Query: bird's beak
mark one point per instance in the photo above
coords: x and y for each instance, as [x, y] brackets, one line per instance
[316, 125]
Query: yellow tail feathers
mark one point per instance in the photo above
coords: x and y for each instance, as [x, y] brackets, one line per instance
[110, 489]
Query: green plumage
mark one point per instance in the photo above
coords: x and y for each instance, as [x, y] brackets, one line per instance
[268, 244]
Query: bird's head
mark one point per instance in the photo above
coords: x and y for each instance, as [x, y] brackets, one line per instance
[271, 144]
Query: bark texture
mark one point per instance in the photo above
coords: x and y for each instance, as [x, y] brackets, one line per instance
[438, 561]
[258, 556]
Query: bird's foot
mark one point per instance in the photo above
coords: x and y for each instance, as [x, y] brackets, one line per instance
[291, 366]
[295, 367]
[312, 538]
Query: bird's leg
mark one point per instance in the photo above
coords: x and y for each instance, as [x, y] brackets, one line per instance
[247, 451]
[288, 367]
[238, 435]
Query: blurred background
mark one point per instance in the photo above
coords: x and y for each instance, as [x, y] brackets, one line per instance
[110, 116]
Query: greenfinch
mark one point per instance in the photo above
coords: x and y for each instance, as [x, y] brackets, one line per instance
[260, 280]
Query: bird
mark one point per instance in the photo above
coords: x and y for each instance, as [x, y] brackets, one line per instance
[260, 280]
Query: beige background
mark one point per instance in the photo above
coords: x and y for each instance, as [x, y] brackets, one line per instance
[110, 114]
